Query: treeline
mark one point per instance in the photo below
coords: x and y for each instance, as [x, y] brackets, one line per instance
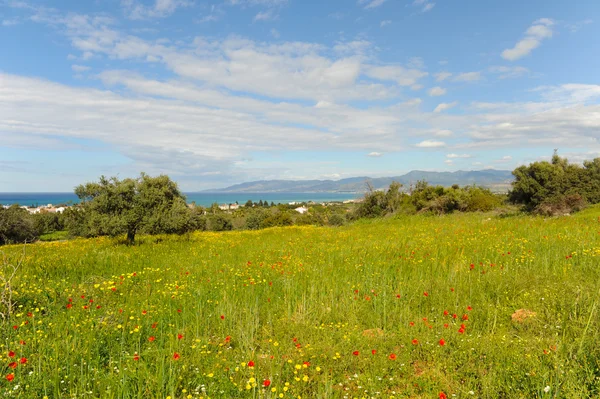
[155, 205]
[423, 198]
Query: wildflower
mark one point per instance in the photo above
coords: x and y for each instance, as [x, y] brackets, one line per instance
[176, 356]
[266, 383]
[11, 354]
[373, 352]
[250, 363]
[222, 317]
[547, 389]
[356, 353]
[69, 305]
[151, 339]
[10, 377]
[179, 336]
[13, 365]
[446, 313]
[442, 342]
[465, 317]
[469, 308]
[392, 356]
[23, 360]
[443, 395]
[154, 325]
[415, 341]
[425, 293]
[136, 357]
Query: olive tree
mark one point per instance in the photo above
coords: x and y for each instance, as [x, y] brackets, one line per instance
[151, 205]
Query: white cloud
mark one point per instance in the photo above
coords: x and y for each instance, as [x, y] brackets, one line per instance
[385, 23]
[430, 144]
[424, 5]
[437, 91]
[10, 22]
[275, 33]
[449, 162]
[161, 8]
[441, 76]
[80, 68]
[445, 106]
[375, 154]
[505, 72]
[398, 74]
[540, 30]
[266, 15]
[570, 93]
[370, 4]
[416, 62]
[504, 159]
[454, 156]
[467, 77]
[575, 27]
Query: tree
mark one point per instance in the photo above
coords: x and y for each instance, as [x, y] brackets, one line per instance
[16, 226]
[556, 186]
[151, 205]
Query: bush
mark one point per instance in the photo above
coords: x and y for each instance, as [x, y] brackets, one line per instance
[17, 226]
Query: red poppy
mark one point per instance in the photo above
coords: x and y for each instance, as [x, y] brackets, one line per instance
[11, 354]
[250, 363]
[222, 317]
[356, 353]
[151, 339]
[176, 356]
[373, 352]
[446, 325]
[461, 330]
[446, 313]
[392, 356]
[23, 360]
[426, 293]
[412, 323]
[307, 364]
[415, 341]
[69, 305]
[154, 325]
[179, 336]
[454, 316]
[178, 310]
[136, 357]
[10, 377]
[465, 317]
[443, 395]
[266, 383]
[469, 308]
[397, 295]
[98, 307]
[13, 365]
[144, 312]
[22, 342]
[442, 342]
[227, 338]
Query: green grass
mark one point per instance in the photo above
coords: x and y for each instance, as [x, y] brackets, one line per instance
[55, 236]
[300, 301]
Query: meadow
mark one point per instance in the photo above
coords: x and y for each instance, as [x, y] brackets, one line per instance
[463, 305]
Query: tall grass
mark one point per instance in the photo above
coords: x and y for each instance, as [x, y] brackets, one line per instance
[356, 311]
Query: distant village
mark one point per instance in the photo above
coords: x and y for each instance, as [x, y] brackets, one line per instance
[302, 209]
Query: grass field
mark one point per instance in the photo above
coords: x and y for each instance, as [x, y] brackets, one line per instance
[414, 307]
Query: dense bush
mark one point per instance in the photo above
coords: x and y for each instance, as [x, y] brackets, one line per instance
[17, 226]
[556, 187]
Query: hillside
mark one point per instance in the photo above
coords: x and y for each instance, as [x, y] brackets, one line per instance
[495, 179]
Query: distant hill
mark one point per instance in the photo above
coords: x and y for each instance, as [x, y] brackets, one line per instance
[497, 180]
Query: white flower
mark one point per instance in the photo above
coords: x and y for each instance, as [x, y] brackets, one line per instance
[547, 389]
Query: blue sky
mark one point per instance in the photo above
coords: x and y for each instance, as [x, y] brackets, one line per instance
[219, 92]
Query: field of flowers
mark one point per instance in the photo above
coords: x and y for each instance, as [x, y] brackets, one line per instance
[466, 306]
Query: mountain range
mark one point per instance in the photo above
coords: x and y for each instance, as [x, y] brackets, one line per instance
[497, 180]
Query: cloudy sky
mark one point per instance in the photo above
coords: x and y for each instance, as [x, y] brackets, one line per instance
[216, 92]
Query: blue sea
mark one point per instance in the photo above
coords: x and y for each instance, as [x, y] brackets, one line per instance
[202, 199]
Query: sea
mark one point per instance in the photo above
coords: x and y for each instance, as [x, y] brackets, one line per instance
[203, 199]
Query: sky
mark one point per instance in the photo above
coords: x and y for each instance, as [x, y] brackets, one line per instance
[218, 92]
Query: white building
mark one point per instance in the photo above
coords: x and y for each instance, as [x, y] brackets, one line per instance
[301, 210]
